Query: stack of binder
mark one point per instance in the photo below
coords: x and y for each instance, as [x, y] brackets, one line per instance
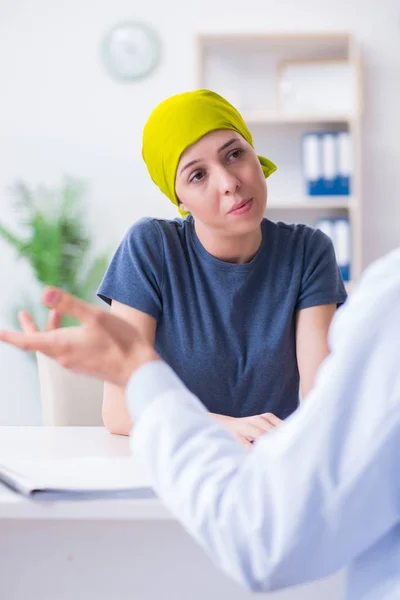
[338, 229]
[327, 163]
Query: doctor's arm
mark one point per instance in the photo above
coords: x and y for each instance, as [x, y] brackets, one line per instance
[302, 503]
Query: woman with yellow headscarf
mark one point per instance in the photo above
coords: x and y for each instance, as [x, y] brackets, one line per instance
[238, 305]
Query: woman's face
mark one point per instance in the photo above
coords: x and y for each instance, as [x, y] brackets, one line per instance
[220, 181]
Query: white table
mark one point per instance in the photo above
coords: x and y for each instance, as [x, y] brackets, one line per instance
[114, 550]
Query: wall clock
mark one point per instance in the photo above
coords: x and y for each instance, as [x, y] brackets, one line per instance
[130, 51]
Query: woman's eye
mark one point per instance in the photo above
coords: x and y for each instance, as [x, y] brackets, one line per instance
[236, 154]
[196, 177]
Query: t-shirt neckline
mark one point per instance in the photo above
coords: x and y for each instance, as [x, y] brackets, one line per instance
[222, 264]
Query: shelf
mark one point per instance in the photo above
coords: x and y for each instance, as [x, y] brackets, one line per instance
[297, 44]
[260, 117]
[246, 68]
[317, 203]
[284, 36]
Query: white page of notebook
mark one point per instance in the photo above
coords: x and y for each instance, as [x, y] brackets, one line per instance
[75, 474]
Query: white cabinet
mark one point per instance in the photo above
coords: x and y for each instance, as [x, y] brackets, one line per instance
[287, 85]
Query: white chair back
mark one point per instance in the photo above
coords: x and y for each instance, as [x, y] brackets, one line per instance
[68, 398]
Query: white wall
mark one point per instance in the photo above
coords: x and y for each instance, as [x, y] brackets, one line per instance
[60, 113]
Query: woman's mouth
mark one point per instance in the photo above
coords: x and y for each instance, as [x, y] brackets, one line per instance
[242, 208]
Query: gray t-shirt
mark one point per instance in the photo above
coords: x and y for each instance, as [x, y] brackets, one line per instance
[228, 330]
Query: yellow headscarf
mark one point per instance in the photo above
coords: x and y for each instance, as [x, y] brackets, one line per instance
[179, 122]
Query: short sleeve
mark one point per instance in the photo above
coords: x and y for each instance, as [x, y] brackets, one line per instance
[135, 274]
[321, 281]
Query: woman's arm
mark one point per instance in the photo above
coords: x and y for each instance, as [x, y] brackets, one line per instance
[115, 413]
[312, 325]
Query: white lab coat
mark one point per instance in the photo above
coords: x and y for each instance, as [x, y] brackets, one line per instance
[319, 492]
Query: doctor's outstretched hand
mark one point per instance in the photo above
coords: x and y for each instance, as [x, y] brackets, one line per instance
[103, 346]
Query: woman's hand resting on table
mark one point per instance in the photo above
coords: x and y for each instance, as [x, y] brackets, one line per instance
[248, 429]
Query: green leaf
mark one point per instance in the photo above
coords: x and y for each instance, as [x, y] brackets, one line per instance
[12, 239]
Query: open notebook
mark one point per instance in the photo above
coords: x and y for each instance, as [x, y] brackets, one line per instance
[75, 478]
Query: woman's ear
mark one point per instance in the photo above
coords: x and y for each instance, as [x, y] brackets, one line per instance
[182, 206]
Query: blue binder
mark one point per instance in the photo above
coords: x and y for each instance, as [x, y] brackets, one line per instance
[338, 229]
[326, 159]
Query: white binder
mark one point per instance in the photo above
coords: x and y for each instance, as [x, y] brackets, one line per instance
[312, 157]
[344, 154]
[329, 162]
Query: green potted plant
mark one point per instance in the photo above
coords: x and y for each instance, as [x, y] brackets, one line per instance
[55, 242]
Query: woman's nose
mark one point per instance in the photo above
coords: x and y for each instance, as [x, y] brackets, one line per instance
[228, 182]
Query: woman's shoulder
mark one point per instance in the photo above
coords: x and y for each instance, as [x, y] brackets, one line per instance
[296, 235]
[149, 234]
[152, 227]
[284, 229]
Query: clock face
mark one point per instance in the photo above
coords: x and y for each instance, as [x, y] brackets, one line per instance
[130, 51]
